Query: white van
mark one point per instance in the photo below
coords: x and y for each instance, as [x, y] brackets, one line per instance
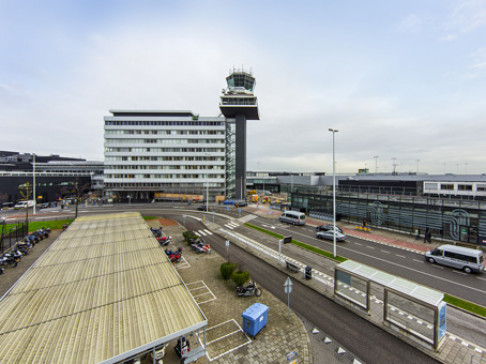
[24, 204]
[467, 259]
[293, 217]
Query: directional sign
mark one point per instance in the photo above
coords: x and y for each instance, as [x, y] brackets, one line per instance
[288, 286]
[227, 243]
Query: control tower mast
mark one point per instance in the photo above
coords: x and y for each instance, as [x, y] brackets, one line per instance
[238, 104]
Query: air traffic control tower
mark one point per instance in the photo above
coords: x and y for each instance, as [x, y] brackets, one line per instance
[238, 104]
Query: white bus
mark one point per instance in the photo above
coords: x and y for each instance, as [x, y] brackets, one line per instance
[469, 260]
[293, 217]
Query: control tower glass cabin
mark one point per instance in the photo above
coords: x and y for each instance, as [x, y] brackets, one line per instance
[238, 104]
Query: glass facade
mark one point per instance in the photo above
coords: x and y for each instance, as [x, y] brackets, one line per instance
[456, 220]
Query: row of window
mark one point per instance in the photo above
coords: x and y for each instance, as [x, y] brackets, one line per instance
[163, 158]
[163, 132]
[163, 123]
[169, 167]
[163, 141]
[154, 185]
[163, 176]
[165, 150]
[466, 258]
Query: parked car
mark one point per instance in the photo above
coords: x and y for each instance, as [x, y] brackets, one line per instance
[329, 235]
[202, 208]
[329, 227]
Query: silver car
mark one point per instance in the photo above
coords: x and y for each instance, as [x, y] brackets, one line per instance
[329, 235]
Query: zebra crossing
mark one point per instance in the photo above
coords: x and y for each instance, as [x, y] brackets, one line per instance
[203, 232]
[231, 225]
[206, 232]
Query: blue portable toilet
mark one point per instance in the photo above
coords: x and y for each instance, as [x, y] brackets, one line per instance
[255, 318]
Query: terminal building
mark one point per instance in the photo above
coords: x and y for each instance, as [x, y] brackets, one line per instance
[163, 154]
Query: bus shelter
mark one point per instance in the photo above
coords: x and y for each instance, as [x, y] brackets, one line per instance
[412, 310]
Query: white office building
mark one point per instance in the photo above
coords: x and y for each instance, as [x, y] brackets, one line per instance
[148, 153]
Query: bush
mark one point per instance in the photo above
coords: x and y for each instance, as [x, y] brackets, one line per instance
[189, 235]
[240, 277]
[227, 269]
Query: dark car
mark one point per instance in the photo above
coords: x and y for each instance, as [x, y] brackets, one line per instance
[202, 208]
[328, 227]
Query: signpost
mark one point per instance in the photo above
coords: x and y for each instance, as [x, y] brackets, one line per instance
[227, 249]
[288, 290]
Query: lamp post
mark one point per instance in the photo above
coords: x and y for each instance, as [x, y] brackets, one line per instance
[334, 131]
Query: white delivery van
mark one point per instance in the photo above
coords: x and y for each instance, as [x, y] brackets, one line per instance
[24, 204]
[467, 259]
[293, 217]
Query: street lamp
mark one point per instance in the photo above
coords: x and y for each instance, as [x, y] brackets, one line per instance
[334, 131]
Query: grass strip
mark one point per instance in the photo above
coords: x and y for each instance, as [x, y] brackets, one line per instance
[468, 306]
[298, 243]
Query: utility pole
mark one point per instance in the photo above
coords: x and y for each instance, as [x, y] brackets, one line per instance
[376, 163]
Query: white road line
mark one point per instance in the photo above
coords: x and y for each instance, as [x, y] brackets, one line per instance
[418, 260]
[370, 247]
[483, 279]
[463, 273]
[208, 232]
[401, 256]
[385, 251]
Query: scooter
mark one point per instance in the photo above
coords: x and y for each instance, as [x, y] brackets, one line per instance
[249, 290]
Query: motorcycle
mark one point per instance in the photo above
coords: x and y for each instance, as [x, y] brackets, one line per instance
[182, 347]
[250, 290]
[23, 248]
[174, 256]
[164, 240]
[9, 260]
[201, 247]
[157, 232]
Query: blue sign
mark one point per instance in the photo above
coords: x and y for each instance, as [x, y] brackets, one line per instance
[442, 320]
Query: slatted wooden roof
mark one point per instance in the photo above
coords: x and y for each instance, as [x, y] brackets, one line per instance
[104, 290]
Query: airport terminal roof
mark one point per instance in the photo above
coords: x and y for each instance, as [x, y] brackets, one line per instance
[104, 291]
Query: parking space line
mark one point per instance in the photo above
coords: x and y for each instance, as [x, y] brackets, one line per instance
[225, 336]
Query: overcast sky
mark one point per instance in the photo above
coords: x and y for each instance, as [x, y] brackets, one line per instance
[404, 82]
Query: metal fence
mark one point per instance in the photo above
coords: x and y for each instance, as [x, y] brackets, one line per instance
[11, 234]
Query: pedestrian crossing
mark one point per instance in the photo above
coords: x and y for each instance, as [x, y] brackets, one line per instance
[231, 225]
[203, 232]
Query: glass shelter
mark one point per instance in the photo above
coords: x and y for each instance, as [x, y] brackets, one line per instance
[414, 311]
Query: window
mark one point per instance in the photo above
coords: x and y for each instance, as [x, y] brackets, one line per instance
[464, 187]
[448, 187]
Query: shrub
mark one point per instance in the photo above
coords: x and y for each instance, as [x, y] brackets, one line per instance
[189, 235]
[227, 269]
[240, 277]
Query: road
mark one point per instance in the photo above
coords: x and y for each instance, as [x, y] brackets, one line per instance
[408, 265]
[344, 326]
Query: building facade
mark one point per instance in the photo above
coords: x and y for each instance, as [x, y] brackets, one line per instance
[163, 152]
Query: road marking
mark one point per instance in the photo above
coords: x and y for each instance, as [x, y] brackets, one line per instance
[385, 251]
[401, 256]
[358, 244]
[456, 271]
[418, 260]
[437, 266]
[370, 247]
[483, 279]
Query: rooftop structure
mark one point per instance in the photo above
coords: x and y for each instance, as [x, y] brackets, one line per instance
[103, 292]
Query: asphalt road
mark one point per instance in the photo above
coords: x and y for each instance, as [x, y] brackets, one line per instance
[344, 326]
[408, 265]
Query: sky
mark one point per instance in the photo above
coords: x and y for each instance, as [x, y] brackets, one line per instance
[404, 82]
